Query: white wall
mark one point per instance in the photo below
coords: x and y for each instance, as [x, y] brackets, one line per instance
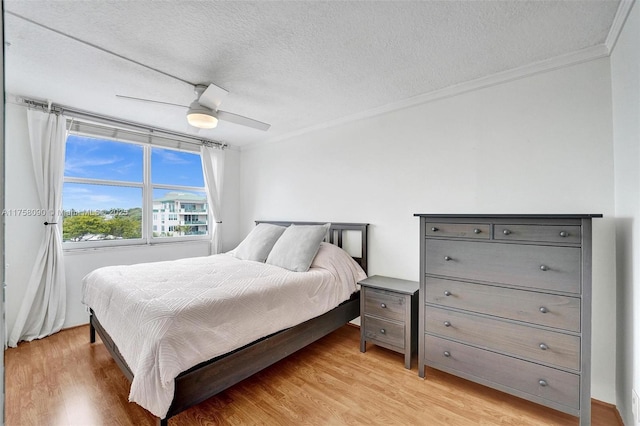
[541, 144]
[625, 78]
[23, 235]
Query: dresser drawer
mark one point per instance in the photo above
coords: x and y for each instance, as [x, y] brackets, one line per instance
[551, 310]
[540, 267]
[555, 386]
[384, 304]
[384, 331]
[480, 231]
[534, 344]
[539, 233]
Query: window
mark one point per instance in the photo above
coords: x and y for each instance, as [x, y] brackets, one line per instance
[119, 191]
[178, 188]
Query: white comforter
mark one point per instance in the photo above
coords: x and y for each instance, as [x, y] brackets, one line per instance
[166, 317]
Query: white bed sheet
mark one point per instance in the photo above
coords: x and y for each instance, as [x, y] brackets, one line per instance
[166, 317]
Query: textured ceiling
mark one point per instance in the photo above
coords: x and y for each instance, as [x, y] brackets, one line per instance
[295, 65]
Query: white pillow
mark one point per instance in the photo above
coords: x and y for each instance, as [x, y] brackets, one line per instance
[297, 246]
[340, 264]
[257, 245]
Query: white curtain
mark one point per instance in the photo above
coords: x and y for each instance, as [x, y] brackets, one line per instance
[43, 308]
[213, 168]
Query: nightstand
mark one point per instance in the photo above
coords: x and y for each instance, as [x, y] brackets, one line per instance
[389, 315]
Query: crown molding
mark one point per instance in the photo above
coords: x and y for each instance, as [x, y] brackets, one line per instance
[569, 59]
[624, 8]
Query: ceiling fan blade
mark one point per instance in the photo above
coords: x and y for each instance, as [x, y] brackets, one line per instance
[150, 100]
[244, 121]
[212, 97]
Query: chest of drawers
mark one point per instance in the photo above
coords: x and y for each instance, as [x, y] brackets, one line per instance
[505, 301]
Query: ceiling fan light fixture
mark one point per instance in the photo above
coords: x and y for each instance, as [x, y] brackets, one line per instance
[201, 117]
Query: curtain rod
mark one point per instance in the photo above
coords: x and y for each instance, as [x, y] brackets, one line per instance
[130, 125]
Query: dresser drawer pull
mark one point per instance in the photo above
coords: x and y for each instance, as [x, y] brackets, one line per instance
[447, 258]
[447, 293]
[447, 354]
[447, 324]
[506, 232]
[544, 268]
[383, 331]
[564, 234]
[477, 231]
[434, 229]
[543, 346]
[383, 305]
[543, 382]
[543, 309]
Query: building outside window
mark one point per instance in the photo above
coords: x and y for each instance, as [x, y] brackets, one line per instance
[192, 213]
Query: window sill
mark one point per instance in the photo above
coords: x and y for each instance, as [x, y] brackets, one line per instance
[138, 245]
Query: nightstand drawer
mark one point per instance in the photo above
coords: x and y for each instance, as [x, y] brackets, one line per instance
[541, 267]
[555, 386]
[551, 310]
[534, 344]
[480, 231]
[384, 304]
[384, 331]
[539, 233]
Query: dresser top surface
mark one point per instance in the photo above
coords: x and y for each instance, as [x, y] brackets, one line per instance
[510, 216]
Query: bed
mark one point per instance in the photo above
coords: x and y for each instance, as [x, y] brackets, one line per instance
[198, 382]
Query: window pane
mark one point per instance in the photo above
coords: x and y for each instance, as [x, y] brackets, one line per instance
[171, 167]
[178, 213]
[101, 212]
[95, 158]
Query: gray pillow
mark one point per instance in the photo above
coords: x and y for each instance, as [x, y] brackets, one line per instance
[257, 245]
[297, 246]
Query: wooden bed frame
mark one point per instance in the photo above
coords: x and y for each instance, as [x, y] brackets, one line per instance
[211, 377]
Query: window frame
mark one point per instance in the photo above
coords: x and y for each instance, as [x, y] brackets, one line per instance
[147, 187]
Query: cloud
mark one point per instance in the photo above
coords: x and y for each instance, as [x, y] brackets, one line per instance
[97, 197]
[171, 157]
[124, 168]
[101, 158]
[80, 165]
[71, 190]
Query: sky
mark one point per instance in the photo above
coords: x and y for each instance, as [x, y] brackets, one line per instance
[117, 161]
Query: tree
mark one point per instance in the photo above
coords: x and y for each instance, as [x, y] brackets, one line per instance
[181, 229]
[135, 213]
[124, 226]
[77, 226]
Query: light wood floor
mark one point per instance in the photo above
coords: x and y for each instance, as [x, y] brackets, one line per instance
[64, 380]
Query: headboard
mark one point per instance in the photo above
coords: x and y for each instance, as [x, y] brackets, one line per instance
[336, 234]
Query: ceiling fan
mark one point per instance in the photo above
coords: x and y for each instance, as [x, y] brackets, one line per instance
[203, 112]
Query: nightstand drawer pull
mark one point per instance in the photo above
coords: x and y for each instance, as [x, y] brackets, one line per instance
[543, 382]
[544, 268]
[543, 309]
[447, 354]
[564, 234]
[477, 231]
[543, 346]
[506, 232]
[447, 293]
[447, 258]
[383, 305]
[434, 229]
[383, 331]
[447, 324]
